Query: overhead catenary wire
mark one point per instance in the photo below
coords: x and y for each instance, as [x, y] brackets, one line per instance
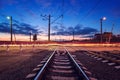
[62, 12]
[91, 10]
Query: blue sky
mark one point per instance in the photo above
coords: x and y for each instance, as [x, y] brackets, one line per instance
[82, 15]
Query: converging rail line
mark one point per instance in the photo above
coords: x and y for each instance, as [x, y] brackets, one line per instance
[61, 66]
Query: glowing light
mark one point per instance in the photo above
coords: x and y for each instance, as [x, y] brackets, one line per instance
[8, 17]
[104, 18]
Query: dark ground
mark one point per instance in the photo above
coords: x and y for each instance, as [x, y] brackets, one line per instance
[99, 70]
[18, 66]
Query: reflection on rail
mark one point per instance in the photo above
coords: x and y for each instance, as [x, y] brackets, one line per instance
[61, 66]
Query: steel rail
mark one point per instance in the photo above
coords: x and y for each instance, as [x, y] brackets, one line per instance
[42, 71]
[76, 64]
[39, 75]
[104, 57]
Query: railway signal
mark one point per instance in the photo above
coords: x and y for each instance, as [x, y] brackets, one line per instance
[34, 37]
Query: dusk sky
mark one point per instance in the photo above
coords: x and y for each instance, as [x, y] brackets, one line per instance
[82, 15]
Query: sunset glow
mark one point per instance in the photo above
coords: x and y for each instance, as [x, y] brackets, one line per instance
[81, 17]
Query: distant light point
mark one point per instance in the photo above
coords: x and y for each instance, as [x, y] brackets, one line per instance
[8, 17]
[104, 18]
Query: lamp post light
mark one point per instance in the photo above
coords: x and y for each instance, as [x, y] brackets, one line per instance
[11, 31]
[101, 20]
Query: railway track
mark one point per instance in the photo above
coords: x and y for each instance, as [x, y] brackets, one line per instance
[61, 66]
[112, 58]
[104, 58]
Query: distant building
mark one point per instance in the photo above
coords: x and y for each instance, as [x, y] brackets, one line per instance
[118, 35]
[106, 37]
[97, 36]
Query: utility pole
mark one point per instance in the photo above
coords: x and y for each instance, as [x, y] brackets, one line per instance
[49, 21]
[101, 30]
[11, 31]
[48, 17]
[30, 37]
[73, 34]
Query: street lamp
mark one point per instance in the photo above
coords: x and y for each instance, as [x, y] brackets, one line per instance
[10, 18]
[102, 19]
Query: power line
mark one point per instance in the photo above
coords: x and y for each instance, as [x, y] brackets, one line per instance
[56, 19]
[63, 3]
[91, 10]
[48, 17]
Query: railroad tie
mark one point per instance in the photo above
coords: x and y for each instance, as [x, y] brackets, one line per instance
[62, 78]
